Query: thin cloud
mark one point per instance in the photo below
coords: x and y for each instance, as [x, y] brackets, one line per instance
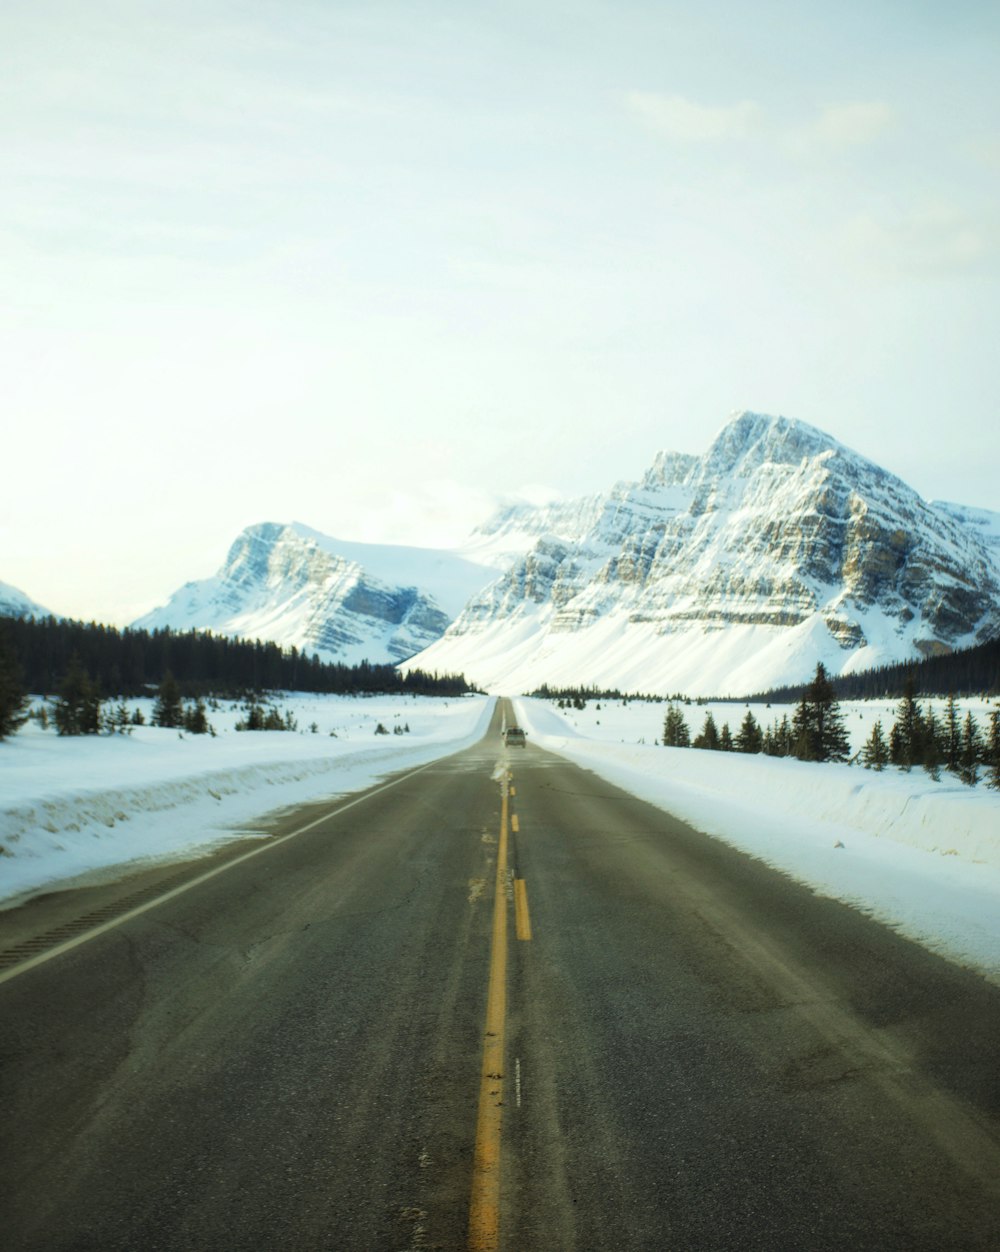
[681, 120]
[929, 242]
[686, 121]
[847, 125]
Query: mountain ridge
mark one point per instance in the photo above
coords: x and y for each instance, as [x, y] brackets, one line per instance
[16, 603]
[345, 601]
[731, 571]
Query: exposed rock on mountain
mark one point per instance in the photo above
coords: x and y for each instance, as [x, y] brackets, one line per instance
[723, 573]
[733, 571]
[344, 601]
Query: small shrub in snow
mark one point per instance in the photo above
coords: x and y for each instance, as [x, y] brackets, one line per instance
[118, 721]
[195, 720]
[259, 718]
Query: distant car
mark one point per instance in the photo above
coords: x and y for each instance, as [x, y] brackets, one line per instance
[513, 736]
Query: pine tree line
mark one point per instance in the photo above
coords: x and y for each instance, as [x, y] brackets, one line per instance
[133, 662]
[79, 710]
[966, 672]
[920, 737]
[577, 697]
[816, 732]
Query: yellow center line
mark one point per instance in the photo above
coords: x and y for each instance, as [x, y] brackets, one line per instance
[514, 824]
[484, 1207]
[522, 918]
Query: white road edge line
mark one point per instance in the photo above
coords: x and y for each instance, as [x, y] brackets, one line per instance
[87, 935]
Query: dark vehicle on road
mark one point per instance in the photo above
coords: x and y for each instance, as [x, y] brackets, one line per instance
[514, 736]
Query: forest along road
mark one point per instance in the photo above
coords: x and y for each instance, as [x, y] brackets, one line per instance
[496, 1003]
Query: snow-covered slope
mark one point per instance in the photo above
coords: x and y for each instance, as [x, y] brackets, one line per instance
[343, 601]
[514, 529]
[14, 603]
[732, 572]
[981, 523]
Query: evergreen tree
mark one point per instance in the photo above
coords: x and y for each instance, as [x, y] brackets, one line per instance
[78, 709]
[725, 739]
[968, 761]
[195, 719]
[778, 738]
[932, 748]
[749, 738]
[675, 729]
[709, 737]
[119, 721]
[896, 754]
[253, 717]
[952, 735]
[783, 736]
[168, 710]
[13, 698]
[876, 752]
[993, 752]
[909, 721]
[818, 726]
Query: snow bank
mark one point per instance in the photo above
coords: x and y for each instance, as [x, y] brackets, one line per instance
[921, 856]
[70, 806]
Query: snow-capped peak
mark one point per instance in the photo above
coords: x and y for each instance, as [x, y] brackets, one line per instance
[734, 571]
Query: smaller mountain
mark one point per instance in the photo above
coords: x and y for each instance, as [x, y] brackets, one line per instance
[14, 603]
[343, 601]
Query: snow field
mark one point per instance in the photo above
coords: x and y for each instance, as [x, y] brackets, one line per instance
[919, 855]
[72, 806]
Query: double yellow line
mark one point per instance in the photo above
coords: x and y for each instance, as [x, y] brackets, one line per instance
[484, 1208]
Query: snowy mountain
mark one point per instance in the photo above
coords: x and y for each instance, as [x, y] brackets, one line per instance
[514, 529]
[14, 603]
[732, 572]
[343, 601]
[982, 523]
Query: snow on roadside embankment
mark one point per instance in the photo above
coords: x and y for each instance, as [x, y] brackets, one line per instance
[70, 806]
[920, 855]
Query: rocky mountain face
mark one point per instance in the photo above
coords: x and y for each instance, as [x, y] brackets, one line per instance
[733, 571]
[344, 601]
[725, 573]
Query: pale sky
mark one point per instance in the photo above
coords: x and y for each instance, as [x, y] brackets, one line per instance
[371, 265]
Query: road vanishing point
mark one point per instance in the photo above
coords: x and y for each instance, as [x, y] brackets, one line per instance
[491, 1003]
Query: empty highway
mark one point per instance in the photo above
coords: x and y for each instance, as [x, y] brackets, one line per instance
[490, 1003]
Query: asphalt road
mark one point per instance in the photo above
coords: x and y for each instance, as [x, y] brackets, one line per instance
[348, 1041]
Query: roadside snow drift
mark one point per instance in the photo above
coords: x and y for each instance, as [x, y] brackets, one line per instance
[70, 806]
[921, 856]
